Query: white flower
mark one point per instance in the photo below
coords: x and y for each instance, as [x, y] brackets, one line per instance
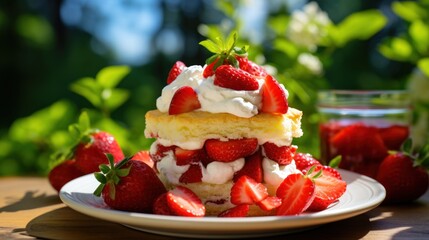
[418, 85]
[311, 62]
[307, 27]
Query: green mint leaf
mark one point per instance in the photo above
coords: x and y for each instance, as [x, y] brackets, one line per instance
[211, 46]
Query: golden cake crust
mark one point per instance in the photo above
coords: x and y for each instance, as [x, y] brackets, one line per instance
[198, 125]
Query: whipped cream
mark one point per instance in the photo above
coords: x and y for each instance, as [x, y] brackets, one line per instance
[213, 98]
[274, 174]
[222, 172]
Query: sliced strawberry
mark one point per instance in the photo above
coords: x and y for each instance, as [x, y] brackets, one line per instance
[274, 99]
[252, 168]
[328, 188]
[247, 191]
[282, 155]
[192, 175]
[161, 151]
[251, 67]
[227, 76]
[270, 203]
[144, 156]
[183, 202]
[233, 149]
[185, 99]
[175, 71]
[185, 157]
[394, 136]
[237, 211]
[326, 170]
[297, 192]
[160, 206]
[208, 70]
[305, 160]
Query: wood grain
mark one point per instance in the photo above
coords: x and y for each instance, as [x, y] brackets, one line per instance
[30, 209]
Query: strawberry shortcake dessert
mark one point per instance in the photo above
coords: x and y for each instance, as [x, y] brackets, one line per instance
[225, 131]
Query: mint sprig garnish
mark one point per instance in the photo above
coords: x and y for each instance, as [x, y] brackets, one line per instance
[225, 50]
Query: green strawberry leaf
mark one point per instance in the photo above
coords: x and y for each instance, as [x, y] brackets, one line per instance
[211, 46]
[335, 162]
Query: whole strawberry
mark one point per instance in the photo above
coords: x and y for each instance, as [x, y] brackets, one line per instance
[91, 151]
[130, 185]
[404, 175]
[63, 173]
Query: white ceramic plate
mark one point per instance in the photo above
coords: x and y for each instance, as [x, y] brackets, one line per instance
[362, 195]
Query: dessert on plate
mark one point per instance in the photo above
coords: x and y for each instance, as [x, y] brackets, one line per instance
[218, 122]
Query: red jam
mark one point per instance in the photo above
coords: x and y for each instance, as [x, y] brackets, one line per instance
[362, 126]
[362, 147]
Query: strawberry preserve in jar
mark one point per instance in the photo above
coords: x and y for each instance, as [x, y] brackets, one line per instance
[362, 126]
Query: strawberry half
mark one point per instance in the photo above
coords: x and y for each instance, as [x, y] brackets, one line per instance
[297, 192]
[237, 211]
[274, 99]
[175, 71]
[329, 187]
[233, 149]
[183, 202]
[282, 155]
[269, 203]
[247, 191]
[227, 76]
[185, 99]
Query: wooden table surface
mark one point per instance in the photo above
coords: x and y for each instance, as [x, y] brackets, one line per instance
[31, 209]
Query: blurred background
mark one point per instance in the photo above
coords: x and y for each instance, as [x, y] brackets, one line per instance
[47, 47]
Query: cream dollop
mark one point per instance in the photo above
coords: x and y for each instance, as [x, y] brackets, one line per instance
[213, 98]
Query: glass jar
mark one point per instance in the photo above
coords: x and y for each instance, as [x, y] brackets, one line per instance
[362, 126]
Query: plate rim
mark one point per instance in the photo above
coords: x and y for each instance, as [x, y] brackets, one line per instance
[183, 224]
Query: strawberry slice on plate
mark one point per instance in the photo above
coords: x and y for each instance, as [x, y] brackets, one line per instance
[247, 191]
[183, 202]
[297, 192]
[329, 188]
[274, 99]
[185, 99]
[237, 211]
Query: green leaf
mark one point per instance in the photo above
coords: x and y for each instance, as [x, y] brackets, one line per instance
[114, 98]
[231, 40]
[409, 10]
[335, 162]
[104, 168]
[361, 25]
[419, 33]
[407, 146]
[211, 46]
[397, 49]
[211, 59]
[99, 190]
[89, 89]
[110, 77]
[84, 122]
[423, 65]
[123, 172]
[100, 177]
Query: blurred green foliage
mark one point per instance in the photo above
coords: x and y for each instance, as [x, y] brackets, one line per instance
[60, 76]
